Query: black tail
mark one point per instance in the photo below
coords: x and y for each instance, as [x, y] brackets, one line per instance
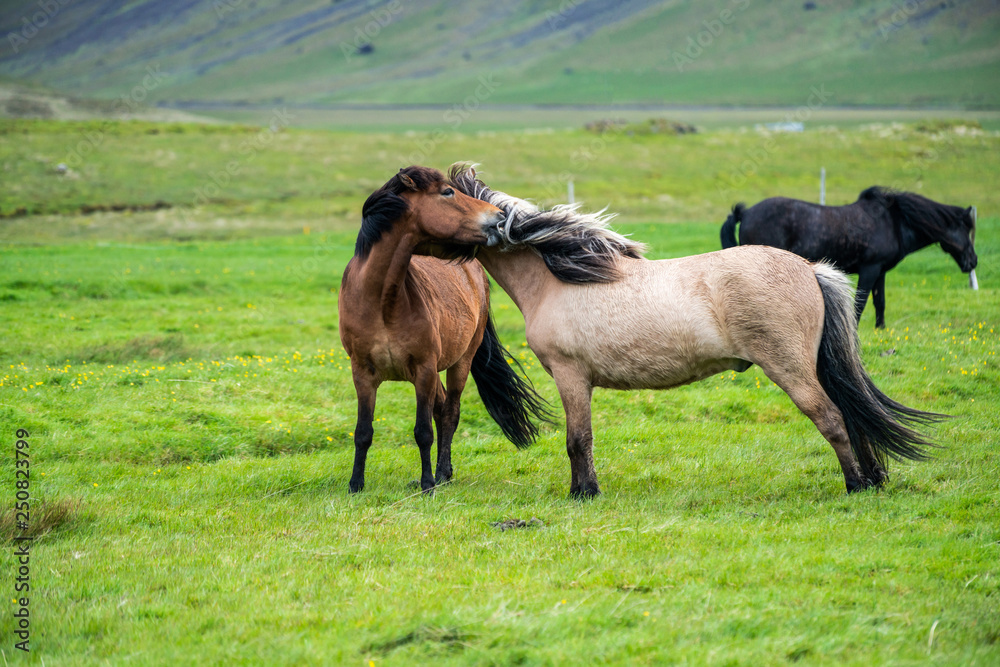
[878, 426]
[509, 398]
[728, 232]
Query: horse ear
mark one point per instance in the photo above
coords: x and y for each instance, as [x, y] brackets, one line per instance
[407, 181]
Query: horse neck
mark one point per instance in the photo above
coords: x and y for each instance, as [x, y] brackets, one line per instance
[912, 237]
[521, 273]
[385, 269]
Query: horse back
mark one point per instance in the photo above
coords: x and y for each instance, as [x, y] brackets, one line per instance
[669, 322]
[848, 236]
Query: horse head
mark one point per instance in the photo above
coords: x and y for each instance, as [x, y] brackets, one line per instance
[960, 238]
[953, 227]
[420, 202]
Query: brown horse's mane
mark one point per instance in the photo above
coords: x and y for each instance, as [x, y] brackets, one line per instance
[925, 215]
[385, 206]
[576, 247]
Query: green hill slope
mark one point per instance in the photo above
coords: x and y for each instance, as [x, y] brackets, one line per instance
[730, 52]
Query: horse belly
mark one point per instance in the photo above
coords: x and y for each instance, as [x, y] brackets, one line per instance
[662, 362]
[657, 337]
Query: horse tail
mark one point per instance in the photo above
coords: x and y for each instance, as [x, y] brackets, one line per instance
[877, 426]
[510, 399]
[728, 232]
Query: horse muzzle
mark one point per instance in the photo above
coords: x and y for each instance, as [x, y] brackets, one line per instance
[493, 229]
[968, 261]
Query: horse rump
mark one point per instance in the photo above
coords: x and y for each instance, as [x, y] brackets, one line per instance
[728, 231]
[509, 398]
[877, 426]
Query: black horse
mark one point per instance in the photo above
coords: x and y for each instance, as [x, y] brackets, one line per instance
[868, 237]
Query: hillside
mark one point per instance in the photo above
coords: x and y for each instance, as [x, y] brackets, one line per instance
[731, 52]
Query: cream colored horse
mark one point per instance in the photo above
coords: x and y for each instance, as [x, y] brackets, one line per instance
[599, 315]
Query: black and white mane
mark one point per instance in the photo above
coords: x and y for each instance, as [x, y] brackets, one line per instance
[577, 247]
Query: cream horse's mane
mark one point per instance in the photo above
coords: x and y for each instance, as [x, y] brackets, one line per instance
[577, 247]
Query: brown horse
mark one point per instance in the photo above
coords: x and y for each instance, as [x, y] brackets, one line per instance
[406, 317]
[599, 315]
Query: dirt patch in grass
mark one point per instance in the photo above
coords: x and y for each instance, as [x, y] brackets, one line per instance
[448, 638]
[517, 523]
[44, 516]
[89, 209]
[163, 349]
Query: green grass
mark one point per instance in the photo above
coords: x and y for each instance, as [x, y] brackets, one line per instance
[190, 411]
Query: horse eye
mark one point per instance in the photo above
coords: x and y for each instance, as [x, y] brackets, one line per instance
[448, 192]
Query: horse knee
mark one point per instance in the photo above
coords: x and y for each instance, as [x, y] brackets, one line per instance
[578, 446]
[423, 434]
[363, 434]
[452, 411]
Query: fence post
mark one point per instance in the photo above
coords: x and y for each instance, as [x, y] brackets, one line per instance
[973, 283]
[822, 186]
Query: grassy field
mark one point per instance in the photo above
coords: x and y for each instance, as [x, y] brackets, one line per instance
[226, 178]
[191, 414]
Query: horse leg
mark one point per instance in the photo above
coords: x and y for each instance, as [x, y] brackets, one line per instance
[427, 384]
[576, 392]
[438, 424]
[366, 387]
[450, 412]
[867, 277]
[803, 387]
[878, 300]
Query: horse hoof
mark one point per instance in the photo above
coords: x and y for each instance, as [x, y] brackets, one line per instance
[443, 478]
[355, 488]
[864, 483]
[585, 492]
